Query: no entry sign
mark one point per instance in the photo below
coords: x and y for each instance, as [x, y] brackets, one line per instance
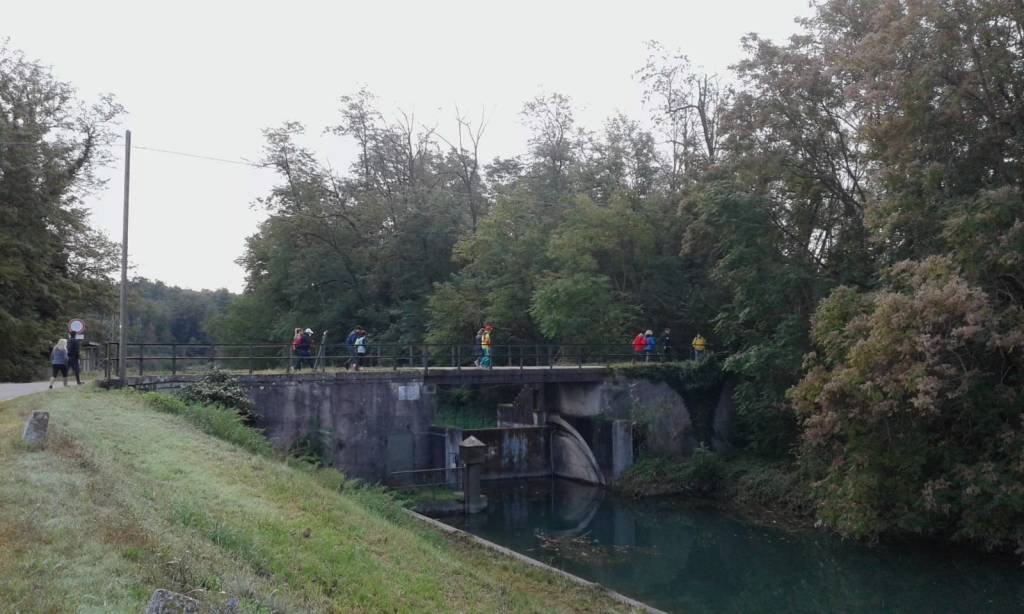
[76, 326]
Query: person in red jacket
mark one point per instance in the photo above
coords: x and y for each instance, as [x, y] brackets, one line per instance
[638, 345]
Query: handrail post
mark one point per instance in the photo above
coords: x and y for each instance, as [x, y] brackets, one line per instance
[252, 359]
[213, 354]
[579, 356]
[551, 362]
[106, 362]
[458, 357]
[425, 367]
[174, 359]
[452, 348]
[142, 351]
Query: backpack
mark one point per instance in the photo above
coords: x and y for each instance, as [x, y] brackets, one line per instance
[360, 345]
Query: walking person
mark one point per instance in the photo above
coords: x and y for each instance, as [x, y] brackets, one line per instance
[59, 361]
[649, 345]
[350, 343]
[74, 352]
[638, 346]
[303, 350]
[359, 348]
[700, 346]
[666, 345]
[477, 347]
[485, 347]
[296, 340]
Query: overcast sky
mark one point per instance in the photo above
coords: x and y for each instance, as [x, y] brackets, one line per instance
[207, 77]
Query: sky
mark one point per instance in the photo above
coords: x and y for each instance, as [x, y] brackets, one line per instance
[207, 77]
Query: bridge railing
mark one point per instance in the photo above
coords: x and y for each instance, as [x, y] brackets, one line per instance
[175, 358]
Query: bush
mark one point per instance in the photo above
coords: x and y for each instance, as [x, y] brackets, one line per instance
[700, 475]
[215, 420]
[217, 387]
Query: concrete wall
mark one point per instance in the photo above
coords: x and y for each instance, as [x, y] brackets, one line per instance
[514, 452]
[655, 406]
[371, 424]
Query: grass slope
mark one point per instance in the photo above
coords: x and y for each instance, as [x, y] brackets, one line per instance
[125, 499]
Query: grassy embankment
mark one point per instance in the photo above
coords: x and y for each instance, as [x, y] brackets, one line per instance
[125, 499]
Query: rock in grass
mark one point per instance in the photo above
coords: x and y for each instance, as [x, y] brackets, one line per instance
[35, 429]
[166, 602]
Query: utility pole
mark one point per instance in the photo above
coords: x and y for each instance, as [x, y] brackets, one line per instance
[122, 346]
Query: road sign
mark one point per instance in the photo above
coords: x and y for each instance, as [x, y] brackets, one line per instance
[76, 326]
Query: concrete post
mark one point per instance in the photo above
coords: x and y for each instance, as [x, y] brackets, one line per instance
[622, 447]
[472, 452]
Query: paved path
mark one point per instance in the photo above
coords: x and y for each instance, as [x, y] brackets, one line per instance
[10, 391]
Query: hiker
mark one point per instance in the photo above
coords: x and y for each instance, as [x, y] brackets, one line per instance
[649, 345]
[666, 345]
[303, 349]
[359, 348]
[477, 348]
[296, 340]
[350, 343]
[74, 345]
[485, 347]
[638, 345]
[700, 346]
[59, 361]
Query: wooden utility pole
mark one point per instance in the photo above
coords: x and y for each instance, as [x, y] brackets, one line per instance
[122, 346]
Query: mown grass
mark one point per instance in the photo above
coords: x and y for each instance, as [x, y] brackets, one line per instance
[125, 499]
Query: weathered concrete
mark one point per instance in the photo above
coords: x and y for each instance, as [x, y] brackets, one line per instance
[571, 456]
[370, 427]
[655, 405]
[514, 452]
[35, 428]
[725, 417]
[622, 447]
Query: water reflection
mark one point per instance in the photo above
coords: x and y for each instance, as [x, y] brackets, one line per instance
[694, 560]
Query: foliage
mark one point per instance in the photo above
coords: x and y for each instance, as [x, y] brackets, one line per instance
[700, 475]
[53, 266]
[213, 419]
[218, 387]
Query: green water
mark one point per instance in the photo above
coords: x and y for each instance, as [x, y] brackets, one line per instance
[681, 559]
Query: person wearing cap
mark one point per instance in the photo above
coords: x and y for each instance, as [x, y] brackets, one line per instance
[303, 349]
[648, 345]
[485, 347]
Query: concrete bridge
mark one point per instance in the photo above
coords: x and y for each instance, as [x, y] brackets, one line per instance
[576, 422]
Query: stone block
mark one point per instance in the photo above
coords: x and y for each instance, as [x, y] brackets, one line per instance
[36, 427]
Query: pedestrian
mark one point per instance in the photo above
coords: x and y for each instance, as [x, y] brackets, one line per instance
[700, 346]
[638, 345]
[666, 345]
[304, 347]
[296, 341]
[59, 361]
[74, 345]
[649, 345]
[350, 343]
[360, 345]
[485, 347]
[477, 347]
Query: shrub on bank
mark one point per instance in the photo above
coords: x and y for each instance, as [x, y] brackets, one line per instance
[218, 387]
[215, 420]
[700, 475]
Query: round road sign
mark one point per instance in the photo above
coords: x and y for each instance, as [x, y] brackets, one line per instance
[76, 326]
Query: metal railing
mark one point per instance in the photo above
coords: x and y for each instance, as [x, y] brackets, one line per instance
[175, 358]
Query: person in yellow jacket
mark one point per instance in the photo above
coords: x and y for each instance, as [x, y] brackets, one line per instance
[485, 347]
[700, 346]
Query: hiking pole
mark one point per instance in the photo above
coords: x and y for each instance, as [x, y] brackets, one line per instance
[320, 352]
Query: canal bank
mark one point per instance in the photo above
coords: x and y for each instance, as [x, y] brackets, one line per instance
[683, 559]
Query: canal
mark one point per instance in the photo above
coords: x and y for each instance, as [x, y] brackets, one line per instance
[684, 559]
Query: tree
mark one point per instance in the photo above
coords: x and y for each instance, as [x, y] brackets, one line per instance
[51, 262]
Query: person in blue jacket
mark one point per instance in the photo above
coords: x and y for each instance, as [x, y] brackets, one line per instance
[648, 345]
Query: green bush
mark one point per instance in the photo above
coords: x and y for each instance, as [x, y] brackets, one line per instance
[218, 387]
[700, 475]
[215, 420]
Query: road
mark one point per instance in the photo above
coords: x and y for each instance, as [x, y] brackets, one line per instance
[10, 391]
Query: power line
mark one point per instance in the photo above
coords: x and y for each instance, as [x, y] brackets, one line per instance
[239, 162]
